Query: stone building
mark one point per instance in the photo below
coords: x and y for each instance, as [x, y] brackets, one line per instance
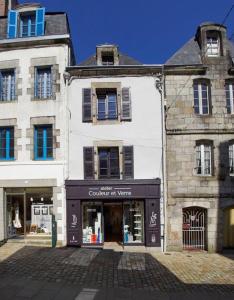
[115, 151]
[35, 49]
[199, 94]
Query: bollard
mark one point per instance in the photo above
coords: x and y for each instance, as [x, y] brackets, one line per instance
[54, 232]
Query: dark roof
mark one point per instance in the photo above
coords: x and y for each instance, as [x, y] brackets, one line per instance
[123, 60]
[55, 24]
[190, 54]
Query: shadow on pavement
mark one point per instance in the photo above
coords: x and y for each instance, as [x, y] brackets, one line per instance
[91, 274]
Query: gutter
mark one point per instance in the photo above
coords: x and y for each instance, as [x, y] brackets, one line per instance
[34, 39]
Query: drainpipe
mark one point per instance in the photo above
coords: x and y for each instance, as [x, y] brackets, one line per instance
[160, 85]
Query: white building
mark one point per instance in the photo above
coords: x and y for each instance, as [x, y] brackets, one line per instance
[115, 151]
[35, 50]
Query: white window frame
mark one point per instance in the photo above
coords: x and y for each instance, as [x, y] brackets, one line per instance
[213, 45]
[200, 99]
[202, 149]
[231, 98]
[231, 158]
[8, 87]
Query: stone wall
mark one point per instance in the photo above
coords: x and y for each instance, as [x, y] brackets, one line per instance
[184, 128]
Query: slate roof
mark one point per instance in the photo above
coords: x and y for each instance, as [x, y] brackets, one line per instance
[190, 54]
[123, 60]
[55, 24]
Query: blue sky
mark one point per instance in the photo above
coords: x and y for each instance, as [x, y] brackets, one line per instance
[148, 30]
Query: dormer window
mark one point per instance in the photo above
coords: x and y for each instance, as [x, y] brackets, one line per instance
[27, 24]
[213, 44]
[107, 58]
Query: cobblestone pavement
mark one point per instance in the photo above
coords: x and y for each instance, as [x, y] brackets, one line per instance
[91, 274]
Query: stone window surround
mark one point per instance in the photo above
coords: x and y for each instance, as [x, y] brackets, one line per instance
[201, 36]
[105, 49]
[207, 81]
[44, 62]
[105, 85]
[211, 144]
[17, 134]
[107, 144]
[9, 65]
[228, 81]
[30, 134]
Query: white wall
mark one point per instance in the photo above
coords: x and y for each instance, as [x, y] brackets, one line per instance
[24, 109]
[143, 132]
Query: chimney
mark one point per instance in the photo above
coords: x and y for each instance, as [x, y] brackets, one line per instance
[5, 5]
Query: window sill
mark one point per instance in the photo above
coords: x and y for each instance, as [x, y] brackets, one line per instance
[203, 115]
[43, 159]
[106, 122]
[43, 99]
[8, 101]
[7, 160]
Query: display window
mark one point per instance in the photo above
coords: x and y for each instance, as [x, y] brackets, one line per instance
[92, 227]
[133, 217]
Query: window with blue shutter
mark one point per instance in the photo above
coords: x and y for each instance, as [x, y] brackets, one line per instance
[43, 83]
[12, 24]
[6, 143]
[27, 24]
[43, 142]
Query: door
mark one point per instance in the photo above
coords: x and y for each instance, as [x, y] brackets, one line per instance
[194, 228]
[113, 223]
[229, 228]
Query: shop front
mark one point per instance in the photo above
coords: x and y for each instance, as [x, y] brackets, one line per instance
[28, 212]
[126, 212]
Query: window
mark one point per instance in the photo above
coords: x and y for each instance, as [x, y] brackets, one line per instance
[6, 143]
[7, 85]
[92, 227]
[27, 24]
[212, 44]
[43, 142]
[201, 98]
[203, 159]
[133, 222]
[107, 58]
[43, 83]
[229, 87]
[108, 163]
[106, 104]
[231, 158]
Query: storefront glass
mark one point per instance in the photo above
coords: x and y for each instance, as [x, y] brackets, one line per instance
[133, 222]
[92, 223]
[39, 210]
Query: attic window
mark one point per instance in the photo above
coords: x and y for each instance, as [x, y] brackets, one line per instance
[213, 44]
[107, 58]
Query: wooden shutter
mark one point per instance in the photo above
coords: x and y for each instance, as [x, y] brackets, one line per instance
[126, 113]
[128, 162]
[88, 163]
[12, 24]
[40, 21]
[87, 106]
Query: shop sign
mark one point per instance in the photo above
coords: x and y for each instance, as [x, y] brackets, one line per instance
[109, 191]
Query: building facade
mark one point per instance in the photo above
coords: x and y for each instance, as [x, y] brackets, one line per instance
[35, 50]
[115, 151]
[199, 129]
